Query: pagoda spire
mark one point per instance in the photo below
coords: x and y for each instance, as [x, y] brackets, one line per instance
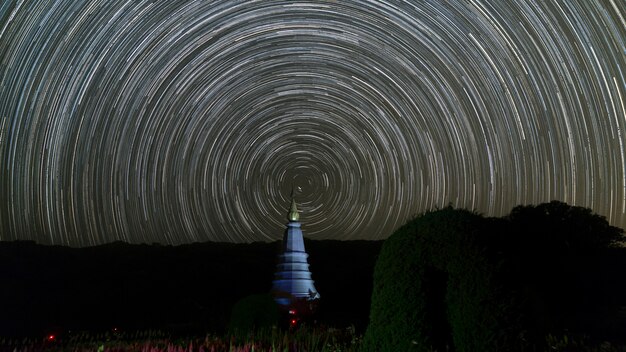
[294, 216]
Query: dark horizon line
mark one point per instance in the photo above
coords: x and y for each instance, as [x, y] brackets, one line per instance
[158, 244]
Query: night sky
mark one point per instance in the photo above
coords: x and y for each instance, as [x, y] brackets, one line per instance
[185, 121]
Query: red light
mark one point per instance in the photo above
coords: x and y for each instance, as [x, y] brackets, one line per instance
[293, 321]
[50, 337]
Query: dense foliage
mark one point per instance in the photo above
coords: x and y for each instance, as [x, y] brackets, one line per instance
[434, 287]
[564, 260]
[252, 313]
[452, 279]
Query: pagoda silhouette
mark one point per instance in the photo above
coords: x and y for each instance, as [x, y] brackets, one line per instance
[293, 288]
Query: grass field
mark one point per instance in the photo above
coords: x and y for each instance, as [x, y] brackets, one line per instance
[272, 340]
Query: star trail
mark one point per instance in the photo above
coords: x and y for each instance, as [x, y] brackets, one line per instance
[185, 121]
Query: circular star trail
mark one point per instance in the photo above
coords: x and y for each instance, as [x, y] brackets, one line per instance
[184, 121]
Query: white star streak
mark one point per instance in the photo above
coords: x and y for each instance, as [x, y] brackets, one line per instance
[183, 121]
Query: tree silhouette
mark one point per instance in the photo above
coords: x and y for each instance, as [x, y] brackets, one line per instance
[560, 253]
[568, 229]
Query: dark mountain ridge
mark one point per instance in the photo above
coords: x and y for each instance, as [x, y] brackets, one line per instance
[181, 289]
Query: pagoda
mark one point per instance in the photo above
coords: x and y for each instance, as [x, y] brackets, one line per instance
[293, 289]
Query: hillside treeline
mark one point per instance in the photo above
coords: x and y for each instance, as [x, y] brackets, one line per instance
[180, 290]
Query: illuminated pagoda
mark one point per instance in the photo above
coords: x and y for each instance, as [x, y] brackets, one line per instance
[293, 288]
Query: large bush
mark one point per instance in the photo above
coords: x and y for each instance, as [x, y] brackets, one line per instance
[255, 312]
[453, 279]
[436, 286]
[398, 301]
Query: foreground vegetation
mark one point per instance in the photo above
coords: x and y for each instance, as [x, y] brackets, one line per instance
[544, 278]
[270, 340]
[453, 279]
